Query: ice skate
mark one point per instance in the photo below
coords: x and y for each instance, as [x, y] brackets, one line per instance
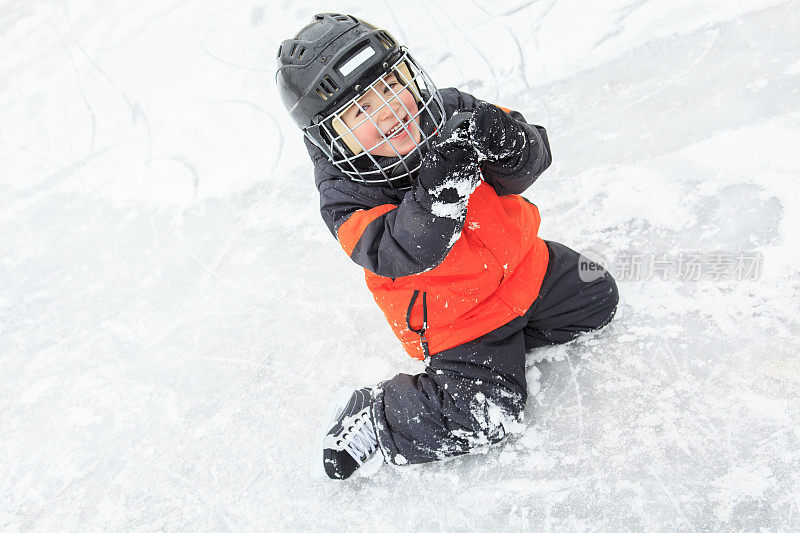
[349, 442]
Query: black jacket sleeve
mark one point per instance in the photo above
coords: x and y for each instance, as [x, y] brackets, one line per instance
[388, 232]
[516, 176]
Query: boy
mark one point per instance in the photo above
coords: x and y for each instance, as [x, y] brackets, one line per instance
[421, 188]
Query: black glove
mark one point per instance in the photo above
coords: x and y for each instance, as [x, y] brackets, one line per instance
[455, 159]
[452, 154]
[498, 138]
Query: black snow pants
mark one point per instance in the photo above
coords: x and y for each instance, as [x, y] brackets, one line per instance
[472, 395]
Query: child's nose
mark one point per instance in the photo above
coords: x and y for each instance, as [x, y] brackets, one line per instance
[391, 110]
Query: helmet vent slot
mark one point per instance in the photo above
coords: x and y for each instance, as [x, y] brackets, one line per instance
[297, 51]
[327, 88]
[385, 40]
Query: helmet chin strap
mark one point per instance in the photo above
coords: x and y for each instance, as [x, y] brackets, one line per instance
[412, 160]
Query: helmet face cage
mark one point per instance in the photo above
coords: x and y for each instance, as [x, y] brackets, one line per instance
[348, 153]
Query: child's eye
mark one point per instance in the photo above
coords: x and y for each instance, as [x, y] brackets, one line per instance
[365, 107]
[391, 85]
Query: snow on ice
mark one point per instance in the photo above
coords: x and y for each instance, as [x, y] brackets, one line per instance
[175, 317]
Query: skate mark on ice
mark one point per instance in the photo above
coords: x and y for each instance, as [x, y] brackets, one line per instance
[463, 34]
[671, 498]
[578, 395]
[80, 85]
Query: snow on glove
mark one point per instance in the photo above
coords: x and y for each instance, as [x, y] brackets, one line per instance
[495, 133]
[449, 173]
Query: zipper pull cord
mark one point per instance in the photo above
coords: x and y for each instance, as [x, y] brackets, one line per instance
[420, 332]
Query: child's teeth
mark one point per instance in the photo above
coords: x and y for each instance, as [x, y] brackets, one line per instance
[394, 130]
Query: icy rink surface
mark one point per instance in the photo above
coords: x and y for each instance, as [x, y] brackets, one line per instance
[175, 317]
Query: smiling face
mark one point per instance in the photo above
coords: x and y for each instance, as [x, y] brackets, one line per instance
[387, 111]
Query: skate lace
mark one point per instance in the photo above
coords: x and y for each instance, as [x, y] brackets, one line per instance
[360, 440]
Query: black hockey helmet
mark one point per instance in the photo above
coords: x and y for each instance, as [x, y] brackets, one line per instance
[327, 67]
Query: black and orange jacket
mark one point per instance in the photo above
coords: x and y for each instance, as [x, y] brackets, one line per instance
[443, 281]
